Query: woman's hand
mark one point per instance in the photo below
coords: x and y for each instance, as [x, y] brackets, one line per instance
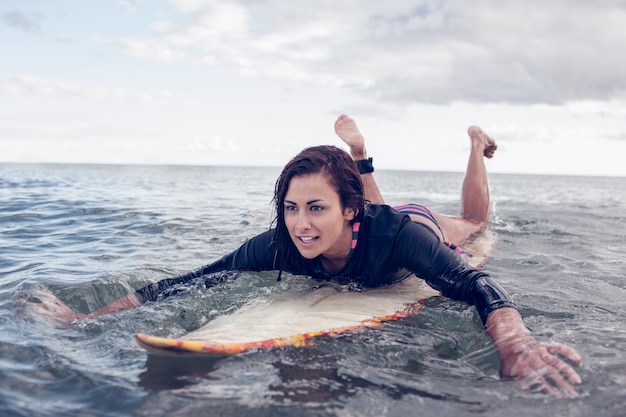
[536, 365]
[42, 305]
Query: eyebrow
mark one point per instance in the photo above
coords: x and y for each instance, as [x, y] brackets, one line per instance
[307, 203]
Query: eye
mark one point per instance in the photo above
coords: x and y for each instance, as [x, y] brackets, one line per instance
[316, 208]
[291, 207]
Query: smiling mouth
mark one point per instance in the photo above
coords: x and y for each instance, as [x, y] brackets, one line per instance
[307, 239]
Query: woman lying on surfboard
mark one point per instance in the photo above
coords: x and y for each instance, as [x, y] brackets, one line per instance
[326, 228]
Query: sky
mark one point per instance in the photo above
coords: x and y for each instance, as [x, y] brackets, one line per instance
[253, 82]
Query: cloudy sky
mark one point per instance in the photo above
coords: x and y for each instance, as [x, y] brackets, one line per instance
[254, 81]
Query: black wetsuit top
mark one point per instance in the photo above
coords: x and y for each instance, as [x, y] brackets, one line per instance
[389, 246]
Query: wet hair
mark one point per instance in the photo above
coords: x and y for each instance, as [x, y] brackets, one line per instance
[339, 169]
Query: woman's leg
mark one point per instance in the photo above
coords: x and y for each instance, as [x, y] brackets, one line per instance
[475, 202]
[346, 129]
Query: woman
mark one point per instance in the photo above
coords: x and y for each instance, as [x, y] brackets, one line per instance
[324, 228]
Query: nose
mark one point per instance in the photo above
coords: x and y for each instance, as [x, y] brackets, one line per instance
[303, 221]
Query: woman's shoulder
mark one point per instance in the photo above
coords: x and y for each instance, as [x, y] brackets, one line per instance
[381, 211]
[381, 219]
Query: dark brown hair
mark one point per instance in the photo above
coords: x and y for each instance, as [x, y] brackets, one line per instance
[342, 174]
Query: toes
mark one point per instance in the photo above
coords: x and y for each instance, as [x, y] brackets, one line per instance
[490, 150]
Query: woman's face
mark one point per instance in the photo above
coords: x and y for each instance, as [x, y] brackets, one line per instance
[316, 220]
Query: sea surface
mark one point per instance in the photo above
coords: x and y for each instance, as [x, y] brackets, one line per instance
[89, 234]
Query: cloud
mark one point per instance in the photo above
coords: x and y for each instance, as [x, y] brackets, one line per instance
[402, 51]
[26, 22]
[29, 84]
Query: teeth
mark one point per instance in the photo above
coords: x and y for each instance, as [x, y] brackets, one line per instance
[307, 239]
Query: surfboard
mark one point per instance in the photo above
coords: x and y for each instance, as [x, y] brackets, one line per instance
[297, 318]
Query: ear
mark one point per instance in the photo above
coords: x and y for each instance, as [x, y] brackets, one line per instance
[349, 213]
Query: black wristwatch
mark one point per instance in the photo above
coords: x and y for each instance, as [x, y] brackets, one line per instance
[366, 166]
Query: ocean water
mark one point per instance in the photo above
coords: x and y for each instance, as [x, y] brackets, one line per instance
[89, 234]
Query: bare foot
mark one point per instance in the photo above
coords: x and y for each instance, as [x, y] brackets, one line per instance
[481, 139]
[345, 128]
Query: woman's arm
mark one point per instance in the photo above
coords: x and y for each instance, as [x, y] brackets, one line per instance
[256, 254]
[535, 364]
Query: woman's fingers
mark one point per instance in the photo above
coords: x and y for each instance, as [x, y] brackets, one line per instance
[563, 367]
[565, 351]
[554, 377]
[539, 369]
